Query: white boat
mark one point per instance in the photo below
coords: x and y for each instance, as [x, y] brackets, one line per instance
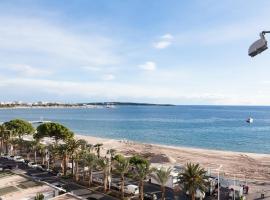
[249, 120]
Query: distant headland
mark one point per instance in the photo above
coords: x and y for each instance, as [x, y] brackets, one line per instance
[41, 104]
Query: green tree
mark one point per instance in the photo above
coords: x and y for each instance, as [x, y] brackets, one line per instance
[2, 138]
[98, 147]
[142, 171]
[63, 152]
[91, 161]
[74, 146]
[19, 127]
[122, 167]
[104, 165]
[135, 160]
[162, 176]
[53, 130]
[39, 196]
[193, 178]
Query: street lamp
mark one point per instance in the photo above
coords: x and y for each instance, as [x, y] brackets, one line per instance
[259, 45]
[218, 169]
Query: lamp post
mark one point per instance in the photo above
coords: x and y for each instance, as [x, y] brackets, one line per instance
[218, 169]
[259, 45]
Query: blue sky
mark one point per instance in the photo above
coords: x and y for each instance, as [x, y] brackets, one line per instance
[181, 52]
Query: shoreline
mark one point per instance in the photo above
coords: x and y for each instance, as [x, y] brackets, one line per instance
[250, 166]
[178, 147]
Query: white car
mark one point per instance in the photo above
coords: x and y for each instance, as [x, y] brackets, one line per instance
[10, 157]
[132, 189]
[32, 165]
[5, 156]
[18, 159]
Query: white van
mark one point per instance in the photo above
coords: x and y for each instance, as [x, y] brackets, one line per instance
[132, 189]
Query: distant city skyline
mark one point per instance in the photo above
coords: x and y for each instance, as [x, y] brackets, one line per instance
[174, 52]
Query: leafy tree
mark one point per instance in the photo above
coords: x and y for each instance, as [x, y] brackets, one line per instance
[135, 160]
[122, 167]
[142, 171]
[19, 127]
[162, 176]
[193, 178]
[54, 130]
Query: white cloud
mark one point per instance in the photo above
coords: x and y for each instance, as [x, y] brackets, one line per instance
[27, 70]
[55, 43]
[164, 42]
[23, 88]
[148, 66]
[167, 37]
[108, 77]
[91, 68]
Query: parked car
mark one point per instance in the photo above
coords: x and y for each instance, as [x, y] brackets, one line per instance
[32, 165]
[10, 157]
[150, 195]
[5, 167]
[26, 161]
[42, 167]
[5, 156]
[18, 159]
[132, 189]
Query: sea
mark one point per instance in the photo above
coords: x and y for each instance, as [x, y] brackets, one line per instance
[206, 127]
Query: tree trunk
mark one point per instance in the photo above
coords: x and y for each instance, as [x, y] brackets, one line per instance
[77, 171]
[141, 189]
[35, 156]
[122, 187]
[7, 148]
[72, 166]
[90, 177]
[163, 192]
[28, 156]
[193, 196]
[64, 163]
[105, 178]
[43, 160]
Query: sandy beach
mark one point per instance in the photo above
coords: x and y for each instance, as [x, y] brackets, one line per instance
[250, 166]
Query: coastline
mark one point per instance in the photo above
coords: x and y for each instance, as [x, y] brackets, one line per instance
[248, 166]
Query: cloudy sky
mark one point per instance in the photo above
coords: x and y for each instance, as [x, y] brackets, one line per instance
[181, 52]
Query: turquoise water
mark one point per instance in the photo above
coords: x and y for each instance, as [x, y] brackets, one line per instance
[208, 127]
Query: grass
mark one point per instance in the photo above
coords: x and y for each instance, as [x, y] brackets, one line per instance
[6, 190]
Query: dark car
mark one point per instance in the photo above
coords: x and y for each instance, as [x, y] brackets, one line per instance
[150, 196]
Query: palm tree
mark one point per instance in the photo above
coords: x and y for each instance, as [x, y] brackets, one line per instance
[5, 138]
[2, 136]
[193, 178]
[104, 164]
[39, 196]
[162, 176]
[97, 147]
[62, 151]
[74, 146]
[41, 149]
[142, 170]
[90, 160]
[122, 167]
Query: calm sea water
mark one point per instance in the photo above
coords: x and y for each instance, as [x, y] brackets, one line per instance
[209, 127]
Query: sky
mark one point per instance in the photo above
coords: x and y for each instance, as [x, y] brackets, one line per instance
[156, 51]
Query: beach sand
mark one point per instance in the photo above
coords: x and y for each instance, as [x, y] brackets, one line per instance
[251, 166]
[254, 169]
